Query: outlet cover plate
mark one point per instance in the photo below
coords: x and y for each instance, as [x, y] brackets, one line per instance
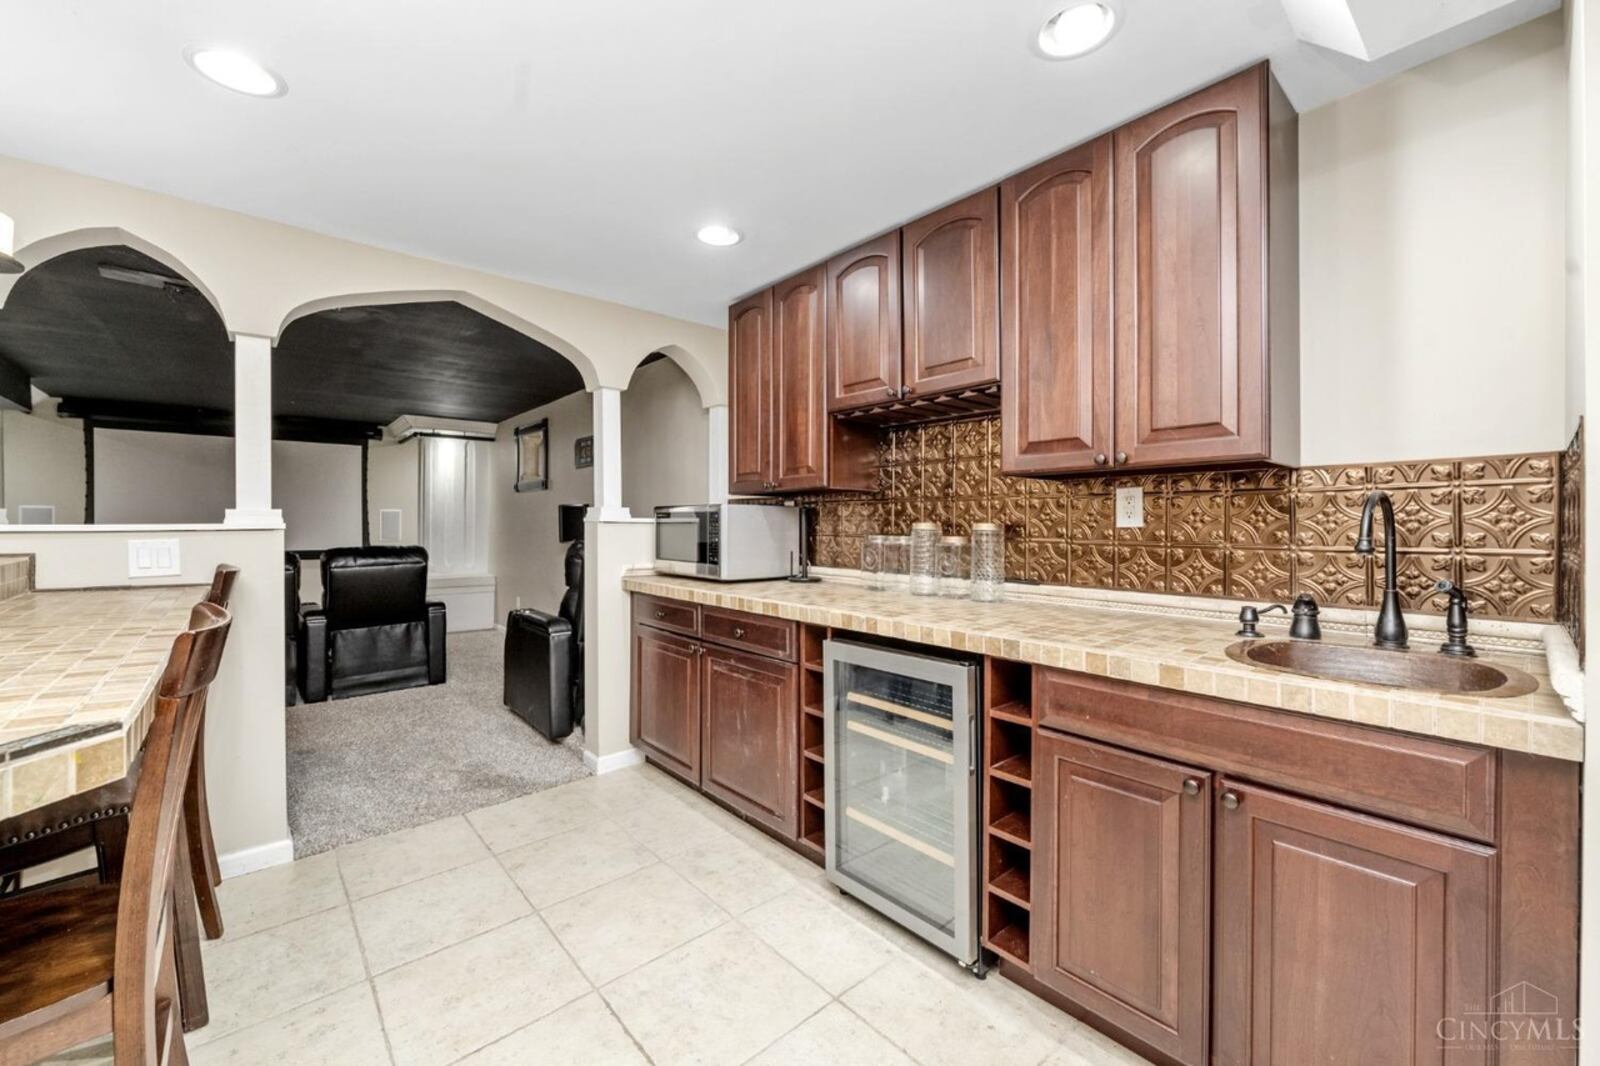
[1130, 508]
[154, 558]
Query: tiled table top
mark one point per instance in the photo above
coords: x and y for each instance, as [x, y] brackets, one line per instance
[1182, 653]
[75, 667]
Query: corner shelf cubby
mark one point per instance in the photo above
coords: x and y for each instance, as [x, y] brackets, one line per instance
[812, 832]
[1007, 809]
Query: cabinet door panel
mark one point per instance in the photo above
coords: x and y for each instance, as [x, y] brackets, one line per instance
[951, 292]
[1345, 939]
[1125, 852]
[1056, 390]
[750, 394]
[863, 324]
[1191, 255]
[799, 414]
[750, 735]
[666, 700]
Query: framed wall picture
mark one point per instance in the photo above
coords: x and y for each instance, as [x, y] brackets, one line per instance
[533, 456]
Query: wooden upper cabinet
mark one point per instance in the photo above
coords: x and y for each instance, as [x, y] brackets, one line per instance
[1055, 335]
[862, 307]
[799, 415]
[950, 292]
[750, 373]
[1192, 341]
[1341, 931]
[1122, 889]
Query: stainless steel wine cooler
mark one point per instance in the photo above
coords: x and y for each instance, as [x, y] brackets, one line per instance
[901, 783]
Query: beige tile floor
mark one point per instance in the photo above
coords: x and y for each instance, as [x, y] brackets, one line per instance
[614, 920]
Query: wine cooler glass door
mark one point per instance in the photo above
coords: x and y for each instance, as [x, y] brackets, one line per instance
[901, 797]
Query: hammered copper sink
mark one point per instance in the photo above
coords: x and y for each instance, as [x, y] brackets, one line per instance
[1427, 671]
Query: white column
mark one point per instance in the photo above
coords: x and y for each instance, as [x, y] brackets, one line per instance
[608, 457]
[252, 432]
[717, 453]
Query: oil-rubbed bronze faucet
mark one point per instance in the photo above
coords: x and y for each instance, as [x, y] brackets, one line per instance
[1390, 631]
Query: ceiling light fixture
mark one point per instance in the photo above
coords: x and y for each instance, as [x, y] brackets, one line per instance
[236, 71]
[9, 263]
[1077, 30]
[719, 236]
[149, 279]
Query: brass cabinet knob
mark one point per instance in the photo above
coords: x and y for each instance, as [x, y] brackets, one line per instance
[1122, 457]
[1099, 458]
[893, 392]
[1191, 786]
[660, 613]
[738, 632]
[1230, 800]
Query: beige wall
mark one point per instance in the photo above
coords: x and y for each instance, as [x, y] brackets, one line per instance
[43, 457]
[244, 720]
[318, 489]
[161, 477]
[392, 483]
[1432, 238]
[664, 430]
[524, 555]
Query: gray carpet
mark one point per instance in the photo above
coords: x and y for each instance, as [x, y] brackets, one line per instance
[373, 764]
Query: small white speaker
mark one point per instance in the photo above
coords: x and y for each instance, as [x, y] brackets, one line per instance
[36, 514]
[389, 530]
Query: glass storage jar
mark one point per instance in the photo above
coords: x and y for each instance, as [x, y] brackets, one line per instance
[924, 559]
[872, 551]
[954, 566]
[896, 560]
[988, 561]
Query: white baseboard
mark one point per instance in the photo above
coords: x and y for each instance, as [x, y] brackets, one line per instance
[617, 760]
[249, 860]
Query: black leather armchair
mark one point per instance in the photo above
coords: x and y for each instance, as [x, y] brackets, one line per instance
[291, 624]
[544, 658]
[376, 630]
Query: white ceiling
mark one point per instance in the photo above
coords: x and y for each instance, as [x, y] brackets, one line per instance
[580, 143]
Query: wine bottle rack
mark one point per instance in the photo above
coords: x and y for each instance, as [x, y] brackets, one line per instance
[1007, 809]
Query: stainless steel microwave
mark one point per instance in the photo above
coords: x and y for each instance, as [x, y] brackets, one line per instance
[727, 541]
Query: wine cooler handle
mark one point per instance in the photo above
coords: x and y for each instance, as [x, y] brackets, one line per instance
[972, 743]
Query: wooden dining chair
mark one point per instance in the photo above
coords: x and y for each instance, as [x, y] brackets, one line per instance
[196, 811]
[89, 960]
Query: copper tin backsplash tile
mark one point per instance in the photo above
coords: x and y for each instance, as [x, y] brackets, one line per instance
[1257, 533]
[1569, 563]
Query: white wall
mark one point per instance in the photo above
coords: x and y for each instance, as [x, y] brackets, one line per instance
[664, 431]
[43, 457]
[318, 489]
[1432, 241]
[392, 483]
[524, 555]
[245, 767]
[144, 477]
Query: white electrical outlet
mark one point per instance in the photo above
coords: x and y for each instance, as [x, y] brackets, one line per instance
[1130, 508]
[153, 558]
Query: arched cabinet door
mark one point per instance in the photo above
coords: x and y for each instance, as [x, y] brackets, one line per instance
[750, 373]
[950, 292]
[1055, 335]
[862, 306]
[798, 417]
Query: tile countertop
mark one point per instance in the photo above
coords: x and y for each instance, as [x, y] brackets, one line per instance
[78, 674]
[1174, 651]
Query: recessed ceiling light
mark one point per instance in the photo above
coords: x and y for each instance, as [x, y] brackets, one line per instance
[236, 71]
[1077, 30]
[719, 236]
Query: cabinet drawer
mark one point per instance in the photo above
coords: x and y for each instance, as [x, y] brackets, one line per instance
[667, 614]
[1433, 783]
[750, 632]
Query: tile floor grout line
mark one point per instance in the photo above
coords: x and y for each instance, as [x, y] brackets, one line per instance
[765, 1047]
[366, 967]
[414, 880]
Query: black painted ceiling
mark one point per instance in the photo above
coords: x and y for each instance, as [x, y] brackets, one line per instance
[84, 336]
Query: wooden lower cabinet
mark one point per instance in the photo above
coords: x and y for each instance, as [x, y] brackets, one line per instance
[1343, 938]
[748, 757]
[1121, 926]
[666, 700]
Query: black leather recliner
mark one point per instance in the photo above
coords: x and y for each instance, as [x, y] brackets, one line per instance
[376, 630]
[544, 658]
[291, 624]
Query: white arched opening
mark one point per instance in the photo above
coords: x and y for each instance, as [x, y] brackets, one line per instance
[45, 249]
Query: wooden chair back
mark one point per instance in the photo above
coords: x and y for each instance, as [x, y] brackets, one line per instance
[155, 834]
[222, 584]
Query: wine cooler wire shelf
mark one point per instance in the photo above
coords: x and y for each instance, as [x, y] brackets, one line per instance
[906, 877]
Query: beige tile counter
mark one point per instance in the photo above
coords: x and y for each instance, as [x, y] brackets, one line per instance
[78, 674]
[1170, 651]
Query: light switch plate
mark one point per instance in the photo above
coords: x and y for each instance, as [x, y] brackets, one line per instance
[154, 558]
[1130, 508]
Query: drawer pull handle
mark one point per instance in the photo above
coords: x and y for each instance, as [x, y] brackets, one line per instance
[660, 613]
[1191, 786]
[738, 632]
[1230, 800]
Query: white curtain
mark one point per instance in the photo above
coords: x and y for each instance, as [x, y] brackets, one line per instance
[454, 500]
